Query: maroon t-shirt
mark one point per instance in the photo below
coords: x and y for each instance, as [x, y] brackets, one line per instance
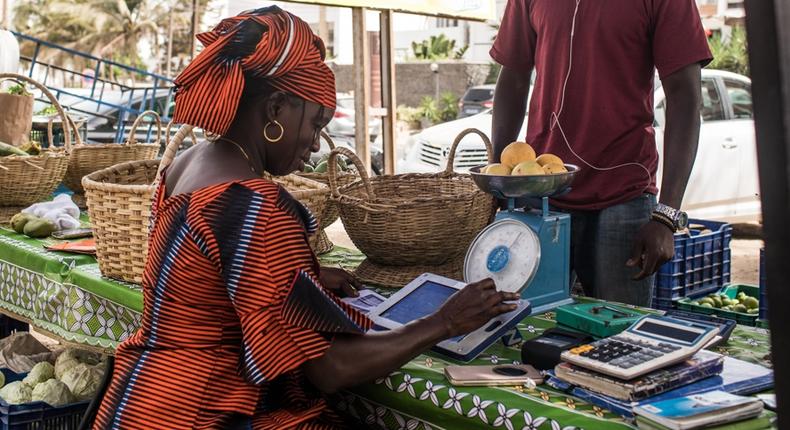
[608, 111]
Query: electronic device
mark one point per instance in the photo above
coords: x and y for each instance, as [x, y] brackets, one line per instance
[652, 343]
[424, 295]
[597, 319]
[73, 233]
[544, 351]
[725, 326]
[493, 375]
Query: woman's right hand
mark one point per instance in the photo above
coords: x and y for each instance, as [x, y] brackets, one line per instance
[473, 306]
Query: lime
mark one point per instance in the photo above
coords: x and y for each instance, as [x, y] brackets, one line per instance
[717, 301]
[751, 303]
[739, 308]
[706, 305]
[754, 311]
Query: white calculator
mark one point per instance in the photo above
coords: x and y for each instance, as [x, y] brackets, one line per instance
[650, 344]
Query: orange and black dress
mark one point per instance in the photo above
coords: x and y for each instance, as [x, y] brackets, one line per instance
[232, 309]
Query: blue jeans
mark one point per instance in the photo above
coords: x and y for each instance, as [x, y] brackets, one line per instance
[601, 244]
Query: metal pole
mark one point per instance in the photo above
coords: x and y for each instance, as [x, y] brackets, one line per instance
[361, 85]
[769, 55]
[388, 122]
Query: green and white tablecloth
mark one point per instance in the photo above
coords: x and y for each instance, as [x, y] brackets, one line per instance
[67, 296]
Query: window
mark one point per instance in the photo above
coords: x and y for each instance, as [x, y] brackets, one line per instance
[712, 108]
[446, 22]
[740, 94]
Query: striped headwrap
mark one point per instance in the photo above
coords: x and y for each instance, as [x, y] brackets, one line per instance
[269, 44]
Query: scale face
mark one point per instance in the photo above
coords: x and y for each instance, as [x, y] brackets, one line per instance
[507, 251]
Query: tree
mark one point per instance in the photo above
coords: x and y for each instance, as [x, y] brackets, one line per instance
[437, 48]
[730, 53]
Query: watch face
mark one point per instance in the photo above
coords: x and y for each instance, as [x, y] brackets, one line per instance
[682, 220]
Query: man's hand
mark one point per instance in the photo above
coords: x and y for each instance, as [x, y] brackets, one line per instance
[653, 246]
[340, 282]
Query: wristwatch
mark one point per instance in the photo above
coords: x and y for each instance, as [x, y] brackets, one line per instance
[673, 218]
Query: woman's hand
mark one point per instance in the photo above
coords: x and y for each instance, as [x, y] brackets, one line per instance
[473, 306]
[340, 282]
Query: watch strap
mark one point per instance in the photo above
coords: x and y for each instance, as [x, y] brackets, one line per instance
[665, 220]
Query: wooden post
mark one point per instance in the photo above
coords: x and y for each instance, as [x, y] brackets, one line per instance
[4, 5]
[169, 56]
[769, 58]
[194, 30]
[388, 122]
[361, 86]
[323, 28]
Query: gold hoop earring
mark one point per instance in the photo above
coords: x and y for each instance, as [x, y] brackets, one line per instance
[266, 134]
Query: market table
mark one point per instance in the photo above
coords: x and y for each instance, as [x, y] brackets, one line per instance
[65, 296]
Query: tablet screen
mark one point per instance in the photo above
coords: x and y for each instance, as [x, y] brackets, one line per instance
[424, 300]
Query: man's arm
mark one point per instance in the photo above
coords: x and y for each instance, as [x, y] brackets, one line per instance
[681, 137]
[654, 244]
[510, 106]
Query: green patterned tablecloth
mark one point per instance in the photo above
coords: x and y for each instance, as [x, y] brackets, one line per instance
[66, 295]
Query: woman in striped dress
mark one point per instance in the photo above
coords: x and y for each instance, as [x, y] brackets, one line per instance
[241, 327]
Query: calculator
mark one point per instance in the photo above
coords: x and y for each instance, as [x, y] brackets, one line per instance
[650, 344]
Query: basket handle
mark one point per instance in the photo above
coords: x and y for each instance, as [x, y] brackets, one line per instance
[329, 140]
[132, 140]
[332, 171]
[192, 135]
[451, 158]
[52, 99]
[172, 148]
[72, 125]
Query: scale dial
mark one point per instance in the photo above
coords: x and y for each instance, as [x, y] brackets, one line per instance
[507, 251]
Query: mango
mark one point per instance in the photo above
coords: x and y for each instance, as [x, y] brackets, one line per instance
[517, 152]
[497, 169]
[39, 228]
[544, 159]
[739, 308]
[322, 167]
[751, 303]
[19, 220]
[553, 168]
[527, 168]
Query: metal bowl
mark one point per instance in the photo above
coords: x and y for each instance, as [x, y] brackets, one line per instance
[524, 186]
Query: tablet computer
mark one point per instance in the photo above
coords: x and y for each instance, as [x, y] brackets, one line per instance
[426, 294]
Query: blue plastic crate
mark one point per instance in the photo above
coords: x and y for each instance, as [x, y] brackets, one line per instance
[701, 264]
[39, 415]
[763, 288]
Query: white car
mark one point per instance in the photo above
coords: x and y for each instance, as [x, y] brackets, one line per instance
[724, 182]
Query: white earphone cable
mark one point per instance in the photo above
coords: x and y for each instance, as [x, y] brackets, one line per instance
[555, 116]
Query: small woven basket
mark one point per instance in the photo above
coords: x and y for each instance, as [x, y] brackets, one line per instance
[412, 219]
[88, 158]
[25, 180]
[119, 204]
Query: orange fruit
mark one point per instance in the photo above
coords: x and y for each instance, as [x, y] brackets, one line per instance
[552, 168]
[527, 168]
[497, 169]
[517, 152]
[544, 159]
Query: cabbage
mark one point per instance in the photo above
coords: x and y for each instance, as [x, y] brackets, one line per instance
[16, 393]
[71, 357]
[53, 392]
[83, 380]
[41, 372]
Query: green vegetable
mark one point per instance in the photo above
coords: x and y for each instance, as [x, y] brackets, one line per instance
[751, 303]
[322, 167]
[6, 149]
[49, 110]
[717, 301]
[71, 357]
[308, 168]
[83, 380]
[2, 379]
[19, 220]
[53, 392]
[39, 228]
[706, 305]
[18, 90]
[16, 393]
[41, 372]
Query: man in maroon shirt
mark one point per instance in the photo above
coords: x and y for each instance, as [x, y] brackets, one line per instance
[592, 105]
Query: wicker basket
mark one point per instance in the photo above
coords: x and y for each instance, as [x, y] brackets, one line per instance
[31, 179]
[314, 195]
[86, 159]
[373, 274]
[119, 205]
[412, 219]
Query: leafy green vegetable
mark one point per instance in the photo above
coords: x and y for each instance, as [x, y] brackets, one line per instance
[18, 90]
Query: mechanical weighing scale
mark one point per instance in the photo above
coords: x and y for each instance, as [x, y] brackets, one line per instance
[525, 251]
[527, 247]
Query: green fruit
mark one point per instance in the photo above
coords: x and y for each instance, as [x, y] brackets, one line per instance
[726, 308]
[694, 302]
[717, 301]
[706, 305]
[39, 228]
[751, 303]
[753, 311]
[707, 300]
[308, 168]
[739, 308]
[321, 167]
[19, 220]
[6, 149]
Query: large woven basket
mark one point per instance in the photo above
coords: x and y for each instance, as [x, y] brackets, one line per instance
[313, 195]
[25, 180]
[119, 204]
[412, 219]
[88, 158]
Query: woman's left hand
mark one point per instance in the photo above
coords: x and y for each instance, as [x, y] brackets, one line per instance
[340, 282]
